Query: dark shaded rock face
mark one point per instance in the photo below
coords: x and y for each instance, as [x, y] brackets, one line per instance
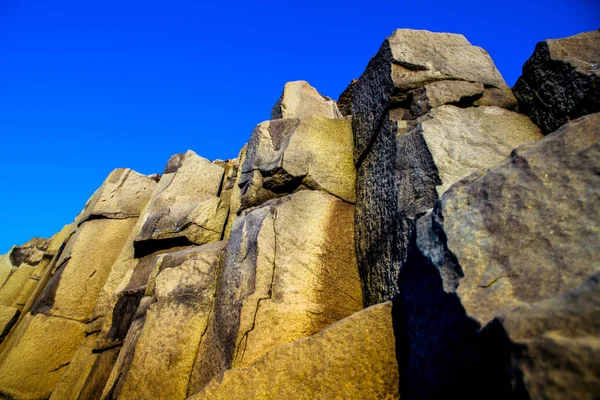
[561, 80]
[499, 256]
[427, 111]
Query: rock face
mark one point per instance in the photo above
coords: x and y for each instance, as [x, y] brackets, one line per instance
[185, 207]
[358, 351]
[300, 100]
[417, 129]
[287, 155]
[508, 242]
[560, 81]
[248, 278]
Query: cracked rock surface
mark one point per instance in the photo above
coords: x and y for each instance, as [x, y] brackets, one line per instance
[560, 80]
[505, 239]
[287, 155]
[289, 271]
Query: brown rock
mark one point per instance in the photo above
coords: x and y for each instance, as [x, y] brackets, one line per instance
[185, 207]
[521, 233]
[353, 358]
[300, 100]
[287, 155]
[289, 271]
[123, 194]
[560, 80]
[35, 364]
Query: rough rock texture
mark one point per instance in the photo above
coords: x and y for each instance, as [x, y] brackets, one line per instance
[33, 367]
[561, 80]
[75, 286]
[345, 100]
[351, 359]
[247, 278]
[183, 295]
[287, 155]
[408, 60]
[123, 194]
[521, 233]
[300, 100]
[289, 271]
[185, 207]
[417, 130]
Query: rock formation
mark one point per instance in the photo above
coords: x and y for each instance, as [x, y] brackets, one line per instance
[270, 275]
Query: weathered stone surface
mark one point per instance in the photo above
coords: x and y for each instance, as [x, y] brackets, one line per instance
[556, 343]
[435, 94]
[235, 200]
[72, 381]
[33, 367]
[166, 349]
[8, 317]
[123, 194]
[75, 286]
[300, 100]
[353, 359]
[287, 155]
[185, 207]
[345, 100]
[497, 97]
[404, 173]
[560, 80]
[523, 232]
[11, 289]
[460, 141]
[289, 271]
[407, 60]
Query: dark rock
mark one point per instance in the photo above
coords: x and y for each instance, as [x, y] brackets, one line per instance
[496, 244]
[344, 102]
[561, 80]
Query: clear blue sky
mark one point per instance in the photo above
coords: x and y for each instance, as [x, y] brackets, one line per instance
[88, 86]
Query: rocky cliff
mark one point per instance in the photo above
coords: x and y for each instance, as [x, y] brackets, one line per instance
[431, 234]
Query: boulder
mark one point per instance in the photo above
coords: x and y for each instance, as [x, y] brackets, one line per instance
[406, 171]
[435, 94]
[183, 296]
[34, 365]
[123, 194]
[521, 233]
[353, 359]
[185, 207]
[289, 271]
[560, 80]
[300, 100]
[235, 199]
[87, 260]
[287, 155]
[407, 60]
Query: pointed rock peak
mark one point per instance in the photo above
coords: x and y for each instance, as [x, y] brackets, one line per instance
[299, 100]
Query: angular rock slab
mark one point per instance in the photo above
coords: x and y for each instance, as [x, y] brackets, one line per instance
[523, 232]
[556, 343]
[353, 359]
[87, 261]
[287, 155]
[405, 172]
[123, 194]
[560, 80]
[288, 272]
[35, 364]
[300, 100]
[165, 352]
[185, 207]
[407, 60]
[458, 142]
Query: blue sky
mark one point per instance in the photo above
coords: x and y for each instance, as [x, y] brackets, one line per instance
[86, 87]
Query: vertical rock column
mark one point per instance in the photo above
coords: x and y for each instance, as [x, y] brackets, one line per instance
[289, 268]
[46, 338]
[429, 109]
